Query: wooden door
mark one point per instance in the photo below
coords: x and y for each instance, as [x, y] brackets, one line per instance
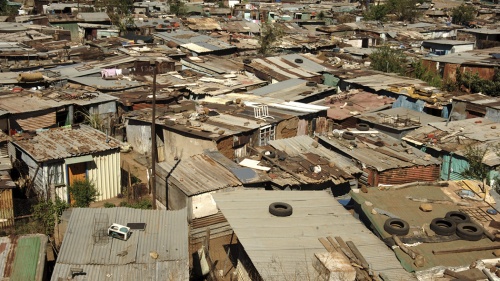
[76, 172]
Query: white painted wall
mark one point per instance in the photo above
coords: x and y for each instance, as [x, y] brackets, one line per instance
[203, 205]
[462, 48]
[106, 174]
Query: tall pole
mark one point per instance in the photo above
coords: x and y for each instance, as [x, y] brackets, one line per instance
[153, 137]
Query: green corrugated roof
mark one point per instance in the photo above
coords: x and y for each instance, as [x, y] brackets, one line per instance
[26, 259]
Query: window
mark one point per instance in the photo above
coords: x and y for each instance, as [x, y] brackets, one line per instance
[267, 133]
[55, 174]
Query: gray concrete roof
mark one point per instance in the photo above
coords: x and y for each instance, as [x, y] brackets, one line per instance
[283, 248]
[166, 233]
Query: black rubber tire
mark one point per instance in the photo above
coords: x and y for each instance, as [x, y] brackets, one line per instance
[280, 209]
[247, 61]
[362, 127]
[299, 60]
[469, 231]
[457, 217]
[311, 84]
[348, 135]
[396, 227]
[443, 226]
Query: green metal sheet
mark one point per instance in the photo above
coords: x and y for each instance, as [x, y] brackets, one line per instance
[458, 165]
[26, 259]
[330, 80]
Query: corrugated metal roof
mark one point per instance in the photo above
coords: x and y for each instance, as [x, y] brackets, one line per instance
[383, 81]
[292, 89]
[62, 143]
[30, 104]
[88, 68]
[26, 259]
[194, 41]
[447, 42]
[291, 108]
[200, 174]
[164, 270]
[479, 132]
[244, 174]
[300, 145]
[389, 156]
[93, 17]
[388, 118]
[306, 63]
[20, 257]
[285, 246]
[166, 233]
[103, 84]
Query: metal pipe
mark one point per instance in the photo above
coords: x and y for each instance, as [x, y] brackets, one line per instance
[153, 137]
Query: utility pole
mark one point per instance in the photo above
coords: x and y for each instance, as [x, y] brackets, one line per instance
[153, 136]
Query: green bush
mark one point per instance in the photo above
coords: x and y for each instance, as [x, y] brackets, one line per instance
[109, 205]
[47, 212]
[83, 192]
[142, 204]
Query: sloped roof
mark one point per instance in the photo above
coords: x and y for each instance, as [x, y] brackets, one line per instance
[284, 247]
[199, 174]
[62, 143]
[106, 258]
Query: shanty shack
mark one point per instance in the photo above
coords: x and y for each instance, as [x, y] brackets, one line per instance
[52, 160]
[302, 164]
[190, 182]
[383, 159]
[398, 121]
[24, 257]
[475, 105]
[288, 247]
[228, 123]
[156, 249]
[450, 141]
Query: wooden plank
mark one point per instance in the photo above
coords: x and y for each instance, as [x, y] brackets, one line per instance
[361, 275]
[326, 244]
[345, 249]
[334, 244]
[358, 254]
[465, 250]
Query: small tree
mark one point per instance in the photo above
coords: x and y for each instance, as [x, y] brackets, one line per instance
[119, 12]
[83, 192]
[423, 73]
[46, 213]
[7, 10]
[405, 10]
[477, 170]
[269, 35]
[376, 12]
[178, 8]
[463, 14]
[387, 59]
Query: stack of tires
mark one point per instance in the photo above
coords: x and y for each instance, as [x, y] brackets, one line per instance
[454, 222]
